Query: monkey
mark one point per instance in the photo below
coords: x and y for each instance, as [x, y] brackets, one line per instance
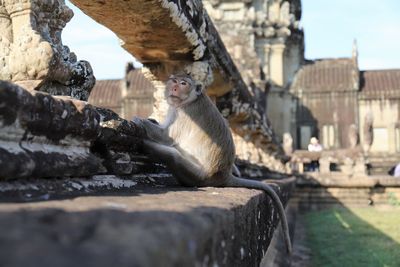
[196, 145]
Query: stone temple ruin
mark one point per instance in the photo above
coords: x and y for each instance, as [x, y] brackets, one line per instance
[110, 203]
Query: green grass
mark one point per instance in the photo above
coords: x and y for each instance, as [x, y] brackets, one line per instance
[357, 237]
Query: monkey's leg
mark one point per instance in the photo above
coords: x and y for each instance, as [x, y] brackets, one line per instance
[183, 167]
[235, 171]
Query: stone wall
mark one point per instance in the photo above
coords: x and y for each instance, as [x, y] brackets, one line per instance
[32, 53]
[48, 136]
[266, 43]
[263, 37]
[317, 192]
[143, 220]
[385, 121]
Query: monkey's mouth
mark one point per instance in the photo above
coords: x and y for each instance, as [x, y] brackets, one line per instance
[174, 98]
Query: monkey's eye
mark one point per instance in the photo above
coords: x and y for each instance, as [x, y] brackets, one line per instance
[173, 80]
[184, 83]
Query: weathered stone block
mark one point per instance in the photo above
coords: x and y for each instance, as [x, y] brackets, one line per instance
[32, 53]
[161, 226]
[46, 136]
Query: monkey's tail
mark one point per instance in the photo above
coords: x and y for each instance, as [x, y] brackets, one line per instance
[240, 182]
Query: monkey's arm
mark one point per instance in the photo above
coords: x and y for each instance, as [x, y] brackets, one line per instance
[154, 131]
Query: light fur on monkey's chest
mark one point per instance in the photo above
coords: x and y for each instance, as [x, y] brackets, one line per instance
[195, 142]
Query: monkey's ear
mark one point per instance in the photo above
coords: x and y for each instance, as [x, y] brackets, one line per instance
[198, 89]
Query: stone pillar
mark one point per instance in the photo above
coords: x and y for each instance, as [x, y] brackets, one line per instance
[263, 51]
[276, 73]
[5, 24]
[336, 129]
[32, 52]
[392, 137]
[5, 39]
[368, 131]
[324, 164]
[347, 167]
[160, 106]
[360, 167]
[267, 61]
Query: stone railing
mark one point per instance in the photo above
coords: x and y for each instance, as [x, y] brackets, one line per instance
[345, 162]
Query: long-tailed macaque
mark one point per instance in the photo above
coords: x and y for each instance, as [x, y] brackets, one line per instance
[196, 144]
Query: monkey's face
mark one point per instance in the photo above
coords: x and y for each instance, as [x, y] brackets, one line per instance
[180, 90]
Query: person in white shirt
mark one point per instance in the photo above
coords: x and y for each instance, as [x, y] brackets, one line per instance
[314, 146]
[396, 172]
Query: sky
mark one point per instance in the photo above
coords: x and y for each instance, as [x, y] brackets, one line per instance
[329, 28]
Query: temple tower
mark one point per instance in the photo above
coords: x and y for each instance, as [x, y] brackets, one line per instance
[266, 42]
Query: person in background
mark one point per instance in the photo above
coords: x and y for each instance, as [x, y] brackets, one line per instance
[314, 146]
[396, 172]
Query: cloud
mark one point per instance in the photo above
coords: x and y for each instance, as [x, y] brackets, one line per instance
[95, 43]
[108, 61]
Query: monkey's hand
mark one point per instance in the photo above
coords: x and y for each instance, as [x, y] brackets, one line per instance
[154, 131]
[153, 121]
[138, 122]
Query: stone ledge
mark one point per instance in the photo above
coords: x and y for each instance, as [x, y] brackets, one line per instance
[152, 226]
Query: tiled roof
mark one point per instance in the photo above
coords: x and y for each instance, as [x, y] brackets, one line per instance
[339, 74]
[106, 93]
[380, 83]
[138, 84]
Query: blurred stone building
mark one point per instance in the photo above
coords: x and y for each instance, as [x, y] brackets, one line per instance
[327, 98]
[331, 99]
[130, 96]
[335, 101]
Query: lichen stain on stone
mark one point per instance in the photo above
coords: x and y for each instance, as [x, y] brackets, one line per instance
[109, 181]
[201, 71]
[64, 114]
[16, 185]
[242, 253]
[117, 206]
[181, 21]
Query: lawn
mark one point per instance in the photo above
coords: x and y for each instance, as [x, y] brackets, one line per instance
[354, 237]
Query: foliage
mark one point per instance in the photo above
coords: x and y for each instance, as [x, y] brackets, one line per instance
[393, 200]
[357, 237]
